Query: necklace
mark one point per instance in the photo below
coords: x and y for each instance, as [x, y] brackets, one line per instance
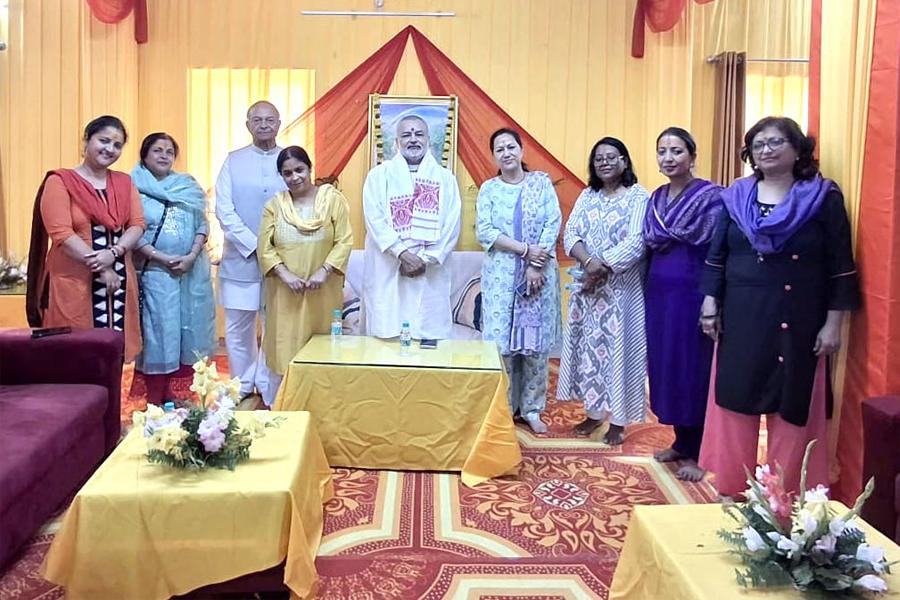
[521, 179]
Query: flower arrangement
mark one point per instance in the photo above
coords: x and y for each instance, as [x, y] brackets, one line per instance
[12, 273]
[205, 434]
[799, 540]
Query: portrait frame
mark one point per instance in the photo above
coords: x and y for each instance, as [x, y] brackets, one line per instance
[440, 112]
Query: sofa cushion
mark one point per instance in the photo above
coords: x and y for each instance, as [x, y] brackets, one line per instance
[40, 423]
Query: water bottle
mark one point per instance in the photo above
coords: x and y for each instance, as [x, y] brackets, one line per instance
[405, 337]
[337, 324]
[169, 406]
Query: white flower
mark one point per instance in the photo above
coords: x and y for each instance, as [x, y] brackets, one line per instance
[762, 471]
[154, 411]
[872, 555]
[873, 583]
[753, 540]
[838, 526]
[818, 495]
[138, 419]
[805, 522]
[788, 546]
[826, 544]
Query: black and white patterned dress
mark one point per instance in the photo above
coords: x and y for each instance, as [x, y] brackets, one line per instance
[108, 311]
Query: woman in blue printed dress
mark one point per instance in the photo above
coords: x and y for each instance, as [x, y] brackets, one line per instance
[518, 225]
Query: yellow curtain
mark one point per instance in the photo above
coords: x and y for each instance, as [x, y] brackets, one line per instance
[4, 109]
[762, 29]
[846, 65]
[562, 70]
[217, 104]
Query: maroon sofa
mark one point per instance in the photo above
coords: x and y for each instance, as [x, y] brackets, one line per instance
[59, 418]
[881, 460]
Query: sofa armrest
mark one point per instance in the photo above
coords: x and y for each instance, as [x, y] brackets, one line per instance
[92, 356]
[881, 460]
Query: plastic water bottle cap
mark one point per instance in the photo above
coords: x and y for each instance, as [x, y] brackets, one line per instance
[405, 324]
[168, 406]
[337, 313]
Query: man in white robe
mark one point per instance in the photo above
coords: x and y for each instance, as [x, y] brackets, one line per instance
[412, 212]
[248, 179]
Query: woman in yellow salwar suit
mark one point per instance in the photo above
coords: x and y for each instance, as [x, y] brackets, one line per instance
[303, 248]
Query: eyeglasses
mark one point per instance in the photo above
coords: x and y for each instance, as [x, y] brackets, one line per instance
[772, 144]
[607, 160]
[267, 120]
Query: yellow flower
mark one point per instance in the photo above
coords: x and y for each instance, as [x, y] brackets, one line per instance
[138, 419]
[211, 371]
[200, 366]
[233, 388]
[168, 439]
[154, 411]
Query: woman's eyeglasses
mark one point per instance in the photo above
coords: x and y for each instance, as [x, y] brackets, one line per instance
[606, 160]
[771, 143]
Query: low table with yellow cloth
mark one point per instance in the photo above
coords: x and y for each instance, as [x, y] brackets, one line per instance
[146, 531]
[673, 552]
[378, 406]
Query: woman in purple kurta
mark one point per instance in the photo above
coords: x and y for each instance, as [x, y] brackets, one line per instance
[679, 224]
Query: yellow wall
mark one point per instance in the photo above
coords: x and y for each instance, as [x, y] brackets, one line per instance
[561, 68]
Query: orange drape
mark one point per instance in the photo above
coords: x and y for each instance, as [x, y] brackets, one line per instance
[873, 363]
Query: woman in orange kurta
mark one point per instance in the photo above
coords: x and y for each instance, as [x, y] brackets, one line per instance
[93, 216]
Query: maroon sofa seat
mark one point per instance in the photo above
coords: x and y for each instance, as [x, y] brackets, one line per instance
[59, 418]
[881, 459]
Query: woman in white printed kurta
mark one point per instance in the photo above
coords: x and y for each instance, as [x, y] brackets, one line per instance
[604, 350]
[518, 224]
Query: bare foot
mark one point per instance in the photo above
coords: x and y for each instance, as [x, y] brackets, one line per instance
[615, 436]
[668, 455]
[537, 426]
[690, 472]
[587, 426]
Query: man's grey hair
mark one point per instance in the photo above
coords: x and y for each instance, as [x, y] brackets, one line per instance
[259, 103]
[412, 118]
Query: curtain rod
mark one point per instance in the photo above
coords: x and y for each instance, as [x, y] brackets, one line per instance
[712, 59]
[372, 13]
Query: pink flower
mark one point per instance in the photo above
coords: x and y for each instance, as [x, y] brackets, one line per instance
[211, 433]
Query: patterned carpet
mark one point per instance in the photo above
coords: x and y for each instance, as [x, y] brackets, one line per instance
[552, 532]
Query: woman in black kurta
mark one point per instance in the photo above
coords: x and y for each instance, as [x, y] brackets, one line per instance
[777, 279]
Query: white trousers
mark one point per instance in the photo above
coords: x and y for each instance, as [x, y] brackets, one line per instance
[246, 359]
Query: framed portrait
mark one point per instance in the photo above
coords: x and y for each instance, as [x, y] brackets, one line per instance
[440, 112]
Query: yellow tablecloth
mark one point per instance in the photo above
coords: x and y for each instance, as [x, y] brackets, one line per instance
[673, 552]
[146, 532]
[438, 410]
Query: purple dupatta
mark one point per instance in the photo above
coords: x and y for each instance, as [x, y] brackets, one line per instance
[769, 234]
[527, 323]
[689, 219]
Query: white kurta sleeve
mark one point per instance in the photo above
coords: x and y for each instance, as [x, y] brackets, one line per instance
[450, 223]
[573, 233]
[630, 250]
[553, 219]
[235, 230]
[377, 216]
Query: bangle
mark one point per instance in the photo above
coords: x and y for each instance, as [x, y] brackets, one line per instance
[712, 316]
[588, 261]
[524, 252]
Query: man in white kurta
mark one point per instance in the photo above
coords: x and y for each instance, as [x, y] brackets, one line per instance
[248, 179]
[412, 212]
